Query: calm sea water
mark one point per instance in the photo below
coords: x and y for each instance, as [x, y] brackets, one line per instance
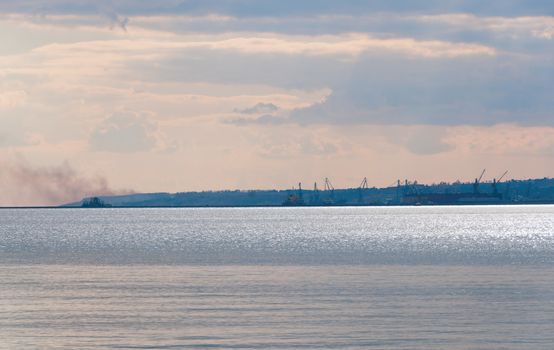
[282, 278]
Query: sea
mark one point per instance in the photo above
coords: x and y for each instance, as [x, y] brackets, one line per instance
[449, 278]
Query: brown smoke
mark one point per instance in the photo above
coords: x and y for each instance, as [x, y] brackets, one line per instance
[24, 185]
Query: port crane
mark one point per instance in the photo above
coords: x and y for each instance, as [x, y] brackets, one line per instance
[329, 188]
[295, 199]
[363, 186]
[495, 182]
[315, 194]
[411, 187]
[478, 181]
[501, 177]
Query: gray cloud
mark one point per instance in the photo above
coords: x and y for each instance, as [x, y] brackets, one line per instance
[380, 87]
[476, 91]
[23, 184]
[266, 119]
[252, 8]
[258, 108]
[491, 22]
[509, 33]
[515, 34]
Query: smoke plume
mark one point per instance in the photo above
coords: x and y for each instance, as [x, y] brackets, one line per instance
[24, 185]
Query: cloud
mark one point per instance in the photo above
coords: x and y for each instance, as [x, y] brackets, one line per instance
[375, 78]
[266, 119]
[459, 21]
[24, 184]
[258, 108]
[352, 44]
[396, 90]
[125, 133]
[278, 8]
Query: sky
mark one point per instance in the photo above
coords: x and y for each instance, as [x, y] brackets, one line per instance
[113, 97]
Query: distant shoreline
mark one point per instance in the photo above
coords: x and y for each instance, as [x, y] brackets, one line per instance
[532, 191]
[291, 207]
[512, 192]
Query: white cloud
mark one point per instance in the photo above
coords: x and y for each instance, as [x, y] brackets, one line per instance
[347, 45]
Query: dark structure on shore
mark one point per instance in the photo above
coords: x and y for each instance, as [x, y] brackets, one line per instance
[95, 202]
[407, 193]
[413, 196]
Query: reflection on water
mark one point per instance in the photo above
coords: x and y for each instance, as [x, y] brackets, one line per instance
[283, 278]
[283, 307]
[423, 235]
